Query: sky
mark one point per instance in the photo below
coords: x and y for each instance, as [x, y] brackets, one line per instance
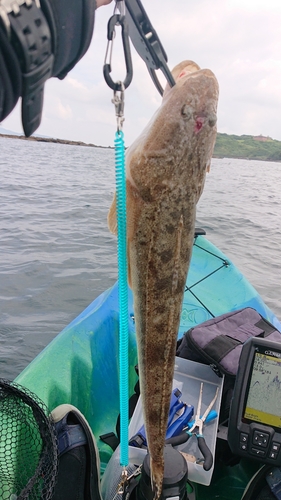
[239, 40]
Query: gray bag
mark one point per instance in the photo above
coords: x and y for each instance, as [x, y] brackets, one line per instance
[219, 341]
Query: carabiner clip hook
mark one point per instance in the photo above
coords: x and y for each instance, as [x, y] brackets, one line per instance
[118, 101]
[117, 20]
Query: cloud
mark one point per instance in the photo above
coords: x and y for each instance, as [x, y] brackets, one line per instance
[76, 84]
[64, 112]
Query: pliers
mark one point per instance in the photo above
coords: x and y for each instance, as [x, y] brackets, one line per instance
[197, 430]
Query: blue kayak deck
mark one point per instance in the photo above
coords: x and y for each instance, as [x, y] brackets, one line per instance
[80, 366]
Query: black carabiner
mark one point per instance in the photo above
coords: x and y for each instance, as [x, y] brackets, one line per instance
[118, 19]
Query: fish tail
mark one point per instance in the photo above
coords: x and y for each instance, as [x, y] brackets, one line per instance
[157, 473]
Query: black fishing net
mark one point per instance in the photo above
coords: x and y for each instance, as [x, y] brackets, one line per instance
[28, 447]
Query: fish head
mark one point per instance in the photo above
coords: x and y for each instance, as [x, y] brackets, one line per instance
[180, 137]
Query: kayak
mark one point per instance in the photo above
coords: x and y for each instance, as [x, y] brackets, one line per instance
[80, 366]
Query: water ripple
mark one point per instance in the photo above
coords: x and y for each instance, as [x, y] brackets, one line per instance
[57, 254]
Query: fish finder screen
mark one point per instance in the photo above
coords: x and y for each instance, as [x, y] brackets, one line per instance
[264, 402]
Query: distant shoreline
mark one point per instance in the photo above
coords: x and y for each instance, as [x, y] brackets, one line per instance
[244, 147]
[52, 140]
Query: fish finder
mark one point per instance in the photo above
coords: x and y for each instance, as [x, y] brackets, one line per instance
[254, 429]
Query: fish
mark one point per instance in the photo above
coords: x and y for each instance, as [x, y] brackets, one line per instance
[165, 174]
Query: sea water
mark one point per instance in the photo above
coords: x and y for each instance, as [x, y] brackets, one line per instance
[57, 254]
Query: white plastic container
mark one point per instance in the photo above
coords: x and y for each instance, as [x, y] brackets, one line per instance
[188, 376]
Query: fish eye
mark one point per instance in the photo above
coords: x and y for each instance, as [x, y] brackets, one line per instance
[212, 120]
[186, 112]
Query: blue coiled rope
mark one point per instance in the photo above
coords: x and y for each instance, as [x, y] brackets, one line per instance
[120, 175]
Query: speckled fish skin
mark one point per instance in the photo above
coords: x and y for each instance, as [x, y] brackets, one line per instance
[166, 168]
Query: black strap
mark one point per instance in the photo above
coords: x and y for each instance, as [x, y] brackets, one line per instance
[220, 346]
[30, 36]
[112, 439]
[10, 76]
[72, 25]
[267, 327]
[39, 42]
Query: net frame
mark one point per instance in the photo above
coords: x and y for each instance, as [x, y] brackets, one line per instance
[28, 445]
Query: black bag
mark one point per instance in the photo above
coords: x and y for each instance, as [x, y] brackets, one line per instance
[219, 341]
[47, 39]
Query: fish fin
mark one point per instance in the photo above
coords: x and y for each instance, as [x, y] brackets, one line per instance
[133, 204]
[157, 473]
[112, 217]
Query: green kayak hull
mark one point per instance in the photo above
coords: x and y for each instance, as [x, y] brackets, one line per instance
[80, 366]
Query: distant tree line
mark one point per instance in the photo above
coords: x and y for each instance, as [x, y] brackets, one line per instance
[246, 146]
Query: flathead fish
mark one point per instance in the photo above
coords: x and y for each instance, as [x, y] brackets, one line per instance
[166, 168]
